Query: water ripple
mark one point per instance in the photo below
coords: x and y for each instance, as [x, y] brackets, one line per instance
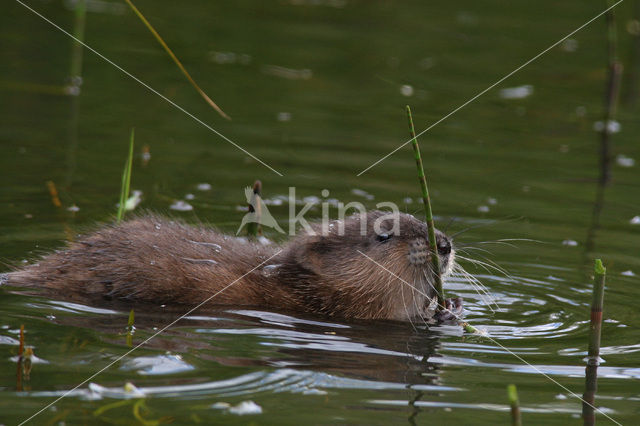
[281, 380]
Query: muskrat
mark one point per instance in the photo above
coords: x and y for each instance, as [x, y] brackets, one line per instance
[349, 271]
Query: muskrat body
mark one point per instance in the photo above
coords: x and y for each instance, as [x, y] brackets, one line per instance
[376, 270]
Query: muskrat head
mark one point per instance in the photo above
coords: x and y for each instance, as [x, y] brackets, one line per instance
[374, 265]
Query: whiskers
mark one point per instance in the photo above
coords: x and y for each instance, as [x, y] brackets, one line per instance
[416, 297]
[487, 264]
[505, 241]
[476, 254]
[477, 285]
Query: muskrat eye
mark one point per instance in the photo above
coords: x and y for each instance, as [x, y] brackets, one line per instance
[383, 237]
[444, 247]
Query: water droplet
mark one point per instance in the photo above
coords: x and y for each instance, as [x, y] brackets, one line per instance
[426, 63]
[625, 161]
[200, 261]
[283, 116]
[406, 90]
[612, 126]
[181, 206]
[519, 92]
[246, 407]
[269, 270]
[361, 193]
[569, 45]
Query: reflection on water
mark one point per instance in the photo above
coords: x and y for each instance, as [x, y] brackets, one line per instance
[276, 353]
[317, 90]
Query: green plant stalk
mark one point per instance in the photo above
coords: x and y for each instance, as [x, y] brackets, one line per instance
[20, 360]
[611, 96]
[612, 34]
[131, 319]
[512, 393]
[126, 180]
[593, 358]
[21, 347]
[130, 328]
[176, 60]
[433, 248]
[78, 33]
[597, 302]
[254, 229]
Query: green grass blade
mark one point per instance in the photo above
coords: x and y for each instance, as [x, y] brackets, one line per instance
[130, 329]
[126, 180]
[176, 60]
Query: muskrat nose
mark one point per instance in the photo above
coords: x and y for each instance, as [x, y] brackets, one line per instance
[444, 247]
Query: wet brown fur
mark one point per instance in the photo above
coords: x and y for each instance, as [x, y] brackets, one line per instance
[161, 261]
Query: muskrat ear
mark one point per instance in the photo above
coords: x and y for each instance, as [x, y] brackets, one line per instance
[311, 254]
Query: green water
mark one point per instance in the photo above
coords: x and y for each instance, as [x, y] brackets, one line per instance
[315, 90]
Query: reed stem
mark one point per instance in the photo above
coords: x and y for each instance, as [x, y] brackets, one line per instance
[130, 328]
[611, 97]
[596, 309]
[433, 248]
[126, 180]
[253, 228]
[512, 392]
[176, 60]
[593, 358]
[79, 24]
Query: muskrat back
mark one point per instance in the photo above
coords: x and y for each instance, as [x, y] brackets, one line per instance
[367, 266]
